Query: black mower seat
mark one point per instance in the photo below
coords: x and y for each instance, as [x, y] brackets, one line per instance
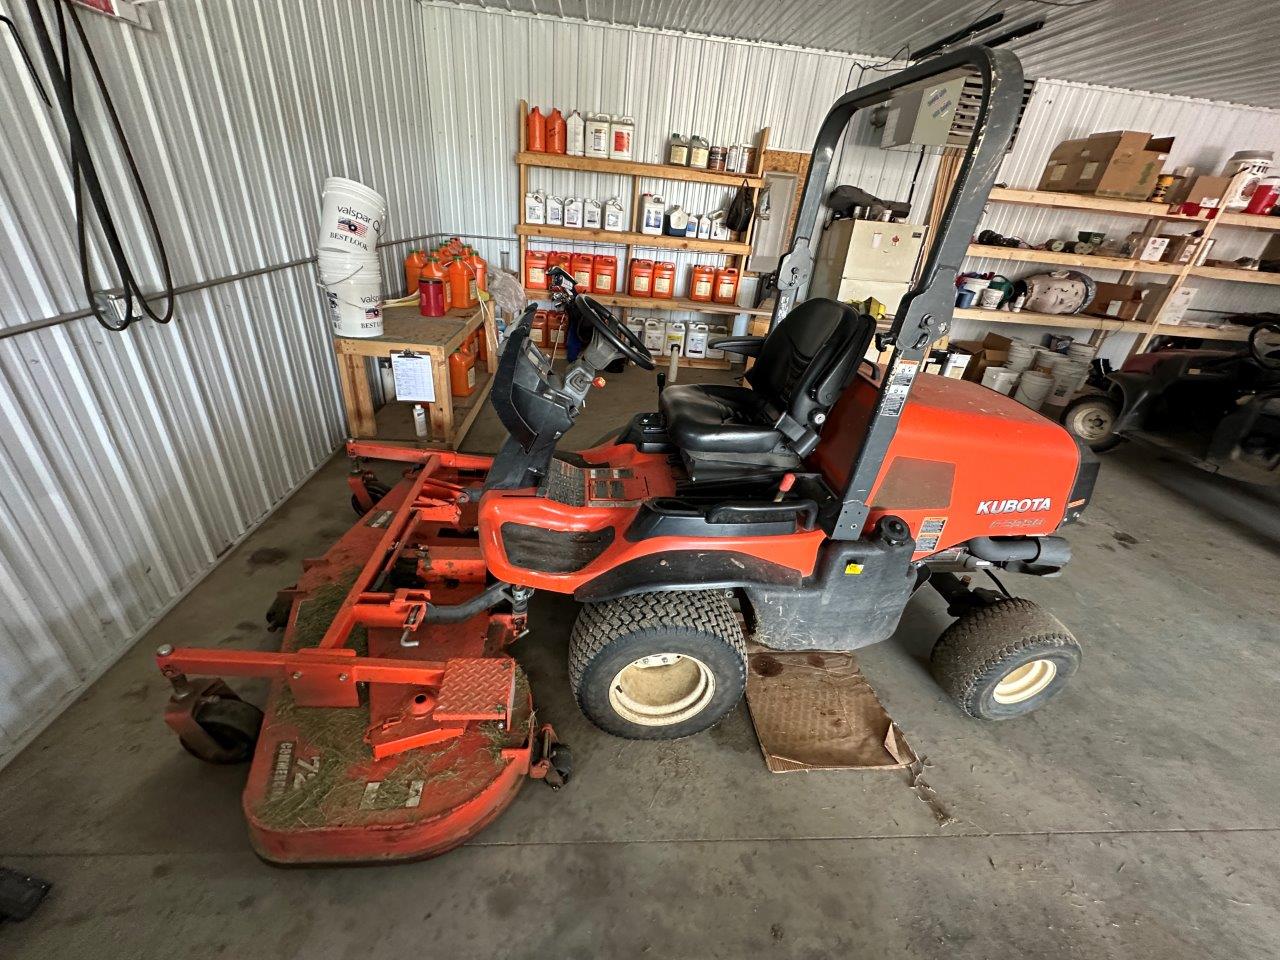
[801, 368]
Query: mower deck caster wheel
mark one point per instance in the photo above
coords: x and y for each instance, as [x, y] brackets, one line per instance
[561, 760]
[233, 726]
[658, 666]
[1004, 660]
[376, 492]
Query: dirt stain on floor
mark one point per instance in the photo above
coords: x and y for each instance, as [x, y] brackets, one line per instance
[1122, 537]
[766, 666]
[267, 557]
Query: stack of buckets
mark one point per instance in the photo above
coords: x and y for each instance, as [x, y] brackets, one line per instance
[351, 223]
[1041, 377]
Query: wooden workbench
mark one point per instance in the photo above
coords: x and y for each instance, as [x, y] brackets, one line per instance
[437, 337]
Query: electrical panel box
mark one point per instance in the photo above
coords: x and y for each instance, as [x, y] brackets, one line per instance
[922, 115]
[867, 258]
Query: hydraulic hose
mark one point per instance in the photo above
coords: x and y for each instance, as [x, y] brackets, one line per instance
[490, 597]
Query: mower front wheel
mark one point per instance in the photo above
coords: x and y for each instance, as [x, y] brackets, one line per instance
[1004, 660]
[232, 725]
[658, 666]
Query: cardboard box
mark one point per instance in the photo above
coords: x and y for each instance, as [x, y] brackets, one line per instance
[1180, 248]
[1152, 249]
[1119, 300]
[1206, 191]
[1120, 163]
[1175, 309]
[1063, 168]
[991, 351]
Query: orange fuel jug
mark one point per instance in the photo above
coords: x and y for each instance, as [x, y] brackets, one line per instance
[535, 269]
[581, 269]
[604, 274]
[536, 136]
[538, 330]
[641, 278]
[462, 372]
[726, 286]
[413, 265]
[702, 283]
[433, 269]
[555, 132]
[460, 281]
[664, 279]
[557, 258]
[479, 274]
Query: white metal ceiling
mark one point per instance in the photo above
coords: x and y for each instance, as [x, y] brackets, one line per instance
[1225, 50]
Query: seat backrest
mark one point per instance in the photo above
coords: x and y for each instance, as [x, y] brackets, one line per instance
[810, 357]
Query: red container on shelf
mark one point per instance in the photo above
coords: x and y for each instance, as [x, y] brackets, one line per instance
[604, 274]
[702, 282]
[431, 297]
[726, 286]
[535, 269]
[581, 266]
[664, 279]
[538, 329]
[433, 269]
[1265, 196]
[641, 278]
[413, 264]
[557, 259]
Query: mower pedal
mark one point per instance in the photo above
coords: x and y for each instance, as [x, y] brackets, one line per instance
[477, 688]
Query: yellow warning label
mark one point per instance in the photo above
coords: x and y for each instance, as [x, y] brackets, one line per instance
[852, 569]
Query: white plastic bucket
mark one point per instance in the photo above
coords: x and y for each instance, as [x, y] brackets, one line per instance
[1021, 355]
[333, 268]
[1033, 388]
[1068, 377]
[355, 301]
[1000, 379]
[351, 217]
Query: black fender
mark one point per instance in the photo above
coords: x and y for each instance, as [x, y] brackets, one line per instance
[686, 570]
[1133, 394]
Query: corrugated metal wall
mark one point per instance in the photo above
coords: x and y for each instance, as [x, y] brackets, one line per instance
[130, 462]
[722, 90]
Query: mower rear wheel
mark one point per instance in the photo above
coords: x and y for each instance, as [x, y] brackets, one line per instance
[232, 724]
[1092, 420]
[658, 666]
[1004, 660]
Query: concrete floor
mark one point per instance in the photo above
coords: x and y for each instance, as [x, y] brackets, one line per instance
[1134, 817]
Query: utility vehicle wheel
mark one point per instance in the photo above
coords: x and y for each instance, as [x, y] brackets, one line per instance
[1092, 420]
[657, 666]
[1005, 660]
[232, 724]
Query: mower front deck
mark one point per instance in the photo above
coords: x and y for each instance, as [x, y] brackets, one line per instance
[395, 728]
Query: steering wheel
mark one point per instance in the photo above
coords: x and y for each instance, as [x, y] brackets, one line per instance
[1265, 351]
[615, 333]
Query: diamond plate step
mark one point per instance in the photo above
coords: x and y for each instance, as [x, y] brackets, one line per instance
[477, 688]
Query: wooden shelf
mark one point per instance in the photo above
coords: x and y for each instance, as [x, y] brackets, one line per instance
[1085, 202]
[634, 168]
[1253, 221]
[1236, 275]
[661, 303]
[624, 239]
[1074, 259]
[1202, 333]
[1072, 321]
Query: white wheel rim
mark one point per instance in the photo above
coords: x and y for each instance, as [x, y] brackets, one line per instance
[1024, 682]
[662, 689]
[1092, 422]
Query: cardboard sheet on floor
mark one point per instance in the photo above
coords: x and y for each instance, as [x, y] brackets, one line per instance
[816, 711]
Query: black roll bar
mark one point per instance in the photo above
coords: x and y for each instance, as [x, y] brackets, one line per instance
[925, 312]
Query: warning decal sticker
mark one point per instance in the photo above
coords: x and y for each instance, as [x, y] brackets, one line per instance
[930, 533]
[900, 380]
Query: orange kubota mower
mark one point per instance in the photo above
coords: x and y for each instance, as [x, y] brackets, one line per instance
[809, 505]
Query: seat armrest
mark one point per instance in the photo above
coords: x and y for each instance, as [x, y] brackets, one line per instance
[743, 346]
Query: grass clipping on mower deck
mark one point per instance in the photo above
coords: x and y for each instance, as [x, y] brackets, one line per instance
[337, 735]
